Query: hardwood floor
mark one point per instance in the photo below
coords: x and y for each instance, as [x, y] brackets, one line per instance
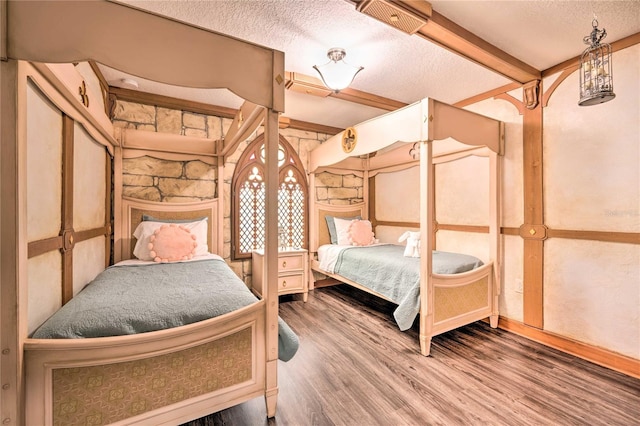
[354, 367]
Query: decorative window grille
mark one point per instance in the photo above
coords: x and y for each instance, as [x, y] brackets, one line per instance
[248, 216]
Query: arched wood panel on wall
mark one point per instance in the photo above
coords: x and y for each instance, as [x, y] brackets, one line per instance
[90, 215]
[44, 151]
[68, 204]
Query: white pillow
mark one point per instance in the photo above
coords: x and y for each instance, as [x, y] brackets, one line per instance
[342, 231]
[145, 230]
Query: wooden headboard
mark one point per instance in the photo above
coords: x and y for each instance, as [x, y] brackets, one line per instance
[133, 210]
[319, 229]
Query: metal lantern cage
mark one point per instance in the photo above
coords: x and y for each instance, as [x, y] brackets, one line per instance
[596, 73]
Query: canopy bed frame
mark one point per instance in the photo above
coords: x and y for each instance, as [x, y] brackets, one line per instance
[423, 134]
[40, 52]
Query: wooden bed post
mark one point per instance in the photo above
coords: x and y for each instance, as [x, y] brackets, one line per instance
[13, 248]
[426, 231]
[495, 192]
[220, 161]
[271, 263]
[313, 224]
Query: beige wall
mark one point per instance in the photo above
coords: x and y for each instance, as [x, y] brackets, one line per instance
[511, 298]
[591, 183]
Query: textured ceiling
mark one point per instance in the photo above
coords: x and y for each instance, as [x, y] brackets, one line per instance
[396, 65]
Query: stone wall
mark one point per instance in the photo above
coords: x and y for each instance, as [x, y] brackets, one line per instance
[338, 189]
[180, 181]
[153, 179]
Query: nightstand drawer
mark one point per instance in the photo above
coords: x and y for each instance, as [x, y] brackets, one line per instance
[291, 263]
[290, 282]
[293, 272]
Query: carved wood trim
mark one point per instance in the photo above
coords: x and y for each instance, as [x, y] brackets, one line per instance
[88, 234]
[487, 95]
[462, 228]
[108, 214]
[533, 232]
[609, 237]
[547, 93]
[533, 270]
[67, 173]
[530, 94]
[515, 102]
[506, 230]
[371, 192]
[400, 223]
[36, 248]
[104, 86]
[67, 232]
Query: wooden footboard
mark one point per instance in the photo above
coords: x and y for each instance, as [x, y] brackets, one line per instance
[454, 301]
[163, 377]
[457, 300]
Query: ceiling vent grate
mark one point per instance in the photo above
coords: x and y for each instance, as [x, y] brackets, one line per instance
[392, 15]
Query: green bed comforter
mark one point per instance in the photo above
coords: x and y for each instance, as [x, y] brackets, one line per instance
[141, 298]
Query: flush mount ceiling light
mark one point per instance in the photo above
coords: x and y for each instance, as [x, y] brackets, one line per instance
[128, 83]
[596, 72]
[337, 74]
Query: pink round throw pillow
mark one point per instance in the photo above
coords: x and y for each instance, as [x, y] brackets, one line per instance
[361, 233]
[171, 243]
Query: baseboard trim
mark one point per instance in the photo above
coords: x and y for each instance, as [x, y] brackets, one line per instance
[603, 357]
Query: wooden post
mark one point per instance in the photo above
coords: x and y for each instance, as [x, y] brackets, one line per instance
[533, 229]
[270, 290]
[13, 250]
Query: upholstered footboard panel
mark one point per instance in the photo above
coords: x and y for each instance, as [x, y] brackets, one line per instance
[96, 395]
[162, 377]
[458, 300]
[451, 302]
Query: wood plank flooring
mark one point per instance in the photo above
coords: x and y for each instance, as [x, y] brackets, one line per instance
[354, 367]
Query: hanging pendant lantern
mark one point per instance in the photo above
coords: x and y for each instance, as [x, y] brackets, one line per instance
[596, 72]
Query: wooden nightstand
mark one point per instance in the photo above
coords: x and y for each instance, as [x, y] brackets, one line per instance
[292, 272]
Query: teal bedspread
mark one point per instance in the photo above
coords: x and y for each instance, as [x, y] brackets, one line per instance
[141, 298]
[385, 270]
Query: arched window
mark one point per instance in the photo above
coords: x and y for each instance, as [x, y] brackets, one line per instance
[248, 193]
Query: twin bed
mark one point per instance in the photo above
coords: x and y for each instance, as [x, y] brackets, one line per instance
[444, 290]
[149, 369]
[151, 341]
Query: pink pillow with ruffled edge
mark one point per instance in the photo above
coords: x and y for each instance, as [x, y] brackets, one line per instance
[361, 233]
[172, 243]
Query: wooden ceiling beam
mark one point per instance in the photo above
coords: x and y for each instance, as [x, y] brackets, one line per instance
[456, 39]
[451, 36]
[129, 95]
[249, 117]
[313, 86]
[145, 98]
[623, 43]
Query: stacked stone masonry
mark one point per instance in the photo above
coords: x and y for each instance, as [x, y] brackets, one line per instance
[154, 179]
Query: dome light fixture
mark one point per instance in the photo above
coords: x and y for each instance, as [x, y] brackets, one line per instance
[337, 74]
